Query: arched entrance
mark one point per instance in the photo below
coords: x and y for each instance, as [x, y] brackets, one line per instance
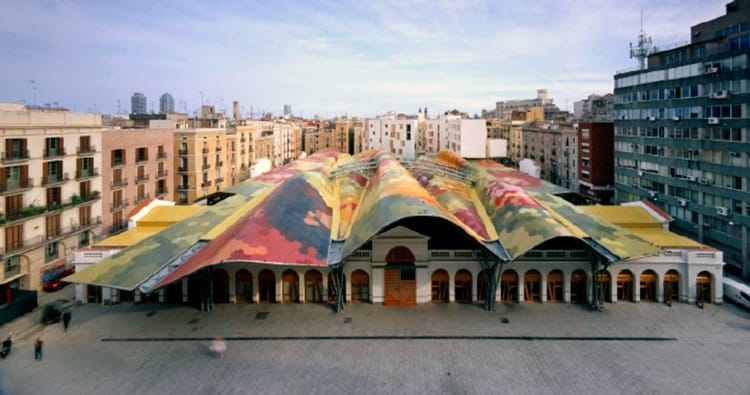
[267, 286]
[400, 277]
[173, 292]
[126, 296]
[93, 294]
[703, 288]
[555, 281]
[532, 286]
[332, 289]
[462, 286]
[648, 286]
[578, 290]
[313, 287]
[481, 287]
[244, 286]
[290, 287]
[440, 286]
[509, 286]
[625, 286]
[671, 287]
[360, 286]
[221, 286]
[604, 282]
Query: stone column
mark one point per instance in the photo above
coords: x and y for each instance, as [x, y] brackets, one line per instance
[185, 293]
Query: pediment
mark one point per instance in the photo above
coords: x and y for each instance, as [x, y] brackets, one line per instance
[400, 232]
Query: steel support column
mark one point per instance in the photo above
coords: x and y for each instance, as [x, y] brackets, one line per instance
[338, 287]
[492, 268]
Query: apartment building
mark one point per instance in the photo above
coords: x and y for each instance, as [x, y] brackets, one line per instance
[240, 142]
[202, 163]
[50, 190]
[682, 134]
[543, 143]
[138, 165]
[595, 161]
[398, 134]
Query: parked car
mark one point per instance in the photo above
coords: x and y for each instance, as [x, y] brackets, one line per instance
[51, 314]
[58, 283]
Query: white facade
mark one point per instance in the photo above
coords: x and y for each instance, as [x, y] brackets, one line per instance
[396, 135]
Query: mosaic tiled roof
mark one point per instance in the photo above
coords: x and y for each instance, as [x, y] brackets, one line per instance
[319, 210]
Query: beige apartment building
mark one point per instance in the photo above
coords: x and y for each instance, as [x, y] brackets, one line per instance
[138, 165]
[49, 190]
[202, 163]
[348, 135]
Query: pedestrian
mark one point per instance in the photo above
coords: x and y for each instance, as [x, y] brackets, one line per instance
[66, 319]
[219, 347]
[38, 349]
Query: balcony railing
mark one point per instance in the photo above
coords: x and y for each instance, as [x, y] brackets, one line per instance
[15, 156]
[34, 210]
[12, 270]
[53, 152]
[139, 199]
[206, 166]
[161, 173]
[40, 240]
[85, 150]
[218, 148]
[117, 228]
[221, 163]
[206, 184]
[54, 179]
[205, 150]
[118, 162]
[162, 191]
[219, 180]
[12, 186]
[118, 183]
[81, 174]
[141, 178]
[115, 206]
[161, 155]
[183, 187]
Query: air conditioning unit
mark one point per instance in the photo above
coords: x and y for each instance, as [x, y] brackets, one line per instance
[651, 194]
[675, 119]
[722, 94]
[712, 70]
[682, 202]
[713, 121]
[722, 211]
[734, 154]
[692, 178]
[640, 173]
[703, 181]
[651, 118]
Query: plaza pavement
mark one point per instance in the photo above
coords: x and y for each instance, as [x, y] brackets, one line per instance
[541, 349]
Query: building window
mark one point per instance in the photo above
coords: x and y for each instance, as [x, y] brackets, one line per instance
[118, 157]
[51, 252]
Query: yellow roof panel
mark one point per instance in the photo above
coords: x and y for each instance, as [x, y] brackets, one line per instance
[665, 239]
[169, 214]
[129, 237]
[625, 216]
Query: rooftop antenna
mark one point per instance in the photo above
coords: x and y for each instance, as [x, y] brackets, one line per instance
[33, 88]
[641, 50]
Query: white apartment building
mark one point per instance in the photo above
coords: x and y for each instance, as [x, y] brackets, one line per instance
[50, 189]
[399, 135]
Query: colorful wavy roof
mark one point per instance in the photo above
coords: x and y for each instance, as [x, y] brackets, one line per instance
[319, 210]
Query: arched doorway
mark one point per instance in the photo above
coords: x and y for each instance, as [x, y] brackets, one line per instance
[244, 286]
[267, 286]
[578, 290]
[671, 287]
[221, 286]
[703, 288]
[313, 287]
[332, 289]
[509, 286]
[440, 286]
[126, 296]
[173, 292]
[360, 286]
[93, 294]
[462, 286]
[532, 286]
[555, 281]
[625, 286]
[648, 286]
[400, 277]
[604, 282]
[290, 287]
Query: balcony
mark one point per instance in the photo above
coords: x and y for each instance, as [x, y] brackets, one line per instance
[183, 187]
[12, 270]
[86, 150]
[206, 166]
[34, 210]
[220, 164]
[54, 152]
[183, 152]
[161, 173]
[20, 156]
[116, 206]
[161, 155]
[141, 178]
[118, 162]
[141, 160]
[219, 180]
[53, 179]
[206, 184]
[83, 174]
[41, 240]
[14, 186]
[115, 184]
[117, 228]
[205, 150]
[163, 191]
[218, 148]
[141, 198]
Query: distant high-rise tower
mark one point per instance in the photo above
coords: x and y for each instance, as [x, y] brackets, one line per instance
[138, 103]
[287, 109]
[236, 110]
[166, 104]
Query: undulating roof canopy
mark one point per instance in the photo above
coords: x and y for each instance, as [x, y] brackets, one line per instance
[319, 210]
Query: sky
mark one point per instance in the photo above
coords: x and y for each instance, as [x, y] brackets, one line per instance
[356, 58]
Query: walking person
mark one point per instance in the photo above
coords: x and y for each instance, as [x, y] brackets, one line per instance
[219, 347]
[38, 349]
[66, 319]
